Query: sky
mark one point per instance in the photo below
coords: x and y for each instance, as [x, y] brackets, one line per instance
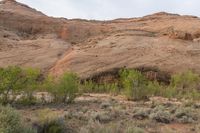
[112, 9]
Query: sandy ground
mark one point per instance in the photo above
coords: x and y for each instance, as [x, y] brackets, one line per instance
[113, 110]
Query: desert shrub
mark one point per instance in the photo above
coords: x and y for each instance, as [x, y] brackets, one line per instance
[133, 129]
[155, 88]
[114, 89]
[49, 122]
[188, 80]
[63, 89]
[10, 122]
[185, 85]
[134, 84]
[161, 116]
[27, 101]
[107, 88]
[103, 117]
[92, 87]
[88, 86]
[141, 113]
[185, 115]
[96, 127]
[170, 92]
[53, 126]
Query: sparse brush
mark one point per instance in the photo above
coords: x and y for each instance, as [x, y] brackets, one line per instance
[96, 127]
[49, 122]
[11, 122]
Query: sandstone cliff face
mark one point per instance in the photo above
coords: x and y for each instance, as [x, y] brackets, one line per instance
[28, 37]
[169, 42]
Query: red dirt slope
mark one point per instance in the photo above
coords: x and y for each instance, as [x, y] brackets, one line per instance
[169, 42]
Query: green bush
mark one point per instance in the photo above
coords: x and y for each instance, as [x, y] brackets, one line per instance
[134, 84]
[155, 88]
[27, 101]
[51, 86]
[15, 81]
[63, 89]
[92, 87]
[114, 89]
[11, 83]
[87, 86]
[68, 87]
[170, 92]
[31, 85]
[185, 80]
[49, 122]
[53, 126]
[184, 85]
[10, 122]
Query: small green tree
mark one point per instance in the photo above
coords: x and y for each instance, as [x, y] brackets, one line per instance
[15, 81]
[11, 83]
[68, 87]
[134, 84]
[63, 89]
[31, 83]
[51, 86]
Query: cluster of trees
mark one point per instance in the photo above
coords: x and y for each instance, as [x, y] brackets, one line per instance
[15, 81]
[183, 85]
[18, 85]
[135, 86]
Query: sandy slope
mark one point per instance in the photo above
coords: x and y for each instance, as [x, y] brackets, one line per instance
[169, 42]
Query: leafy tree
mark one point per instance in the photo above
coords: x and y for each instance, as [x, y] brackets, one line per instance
[11, 83]
[68, 87]
[15, 81]
[31, 84]
[63, 89]
[51, 86]
[134, 84]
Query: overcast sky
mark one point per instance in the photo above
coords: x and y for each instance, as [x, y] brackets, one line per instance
[111, 9]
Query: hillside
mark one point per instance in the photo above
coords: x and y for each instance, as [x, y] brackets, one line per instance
[168, 42]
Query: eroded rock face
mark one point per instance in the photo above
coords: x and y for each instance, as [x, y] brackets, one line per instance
[169, 42]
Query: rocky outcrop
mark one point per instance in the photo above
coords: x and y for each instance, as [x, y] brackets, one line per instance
[169, 42]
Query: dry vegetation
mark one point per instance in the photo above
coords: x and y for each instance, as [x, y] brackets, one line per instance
[134, 104]
[40, 92]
